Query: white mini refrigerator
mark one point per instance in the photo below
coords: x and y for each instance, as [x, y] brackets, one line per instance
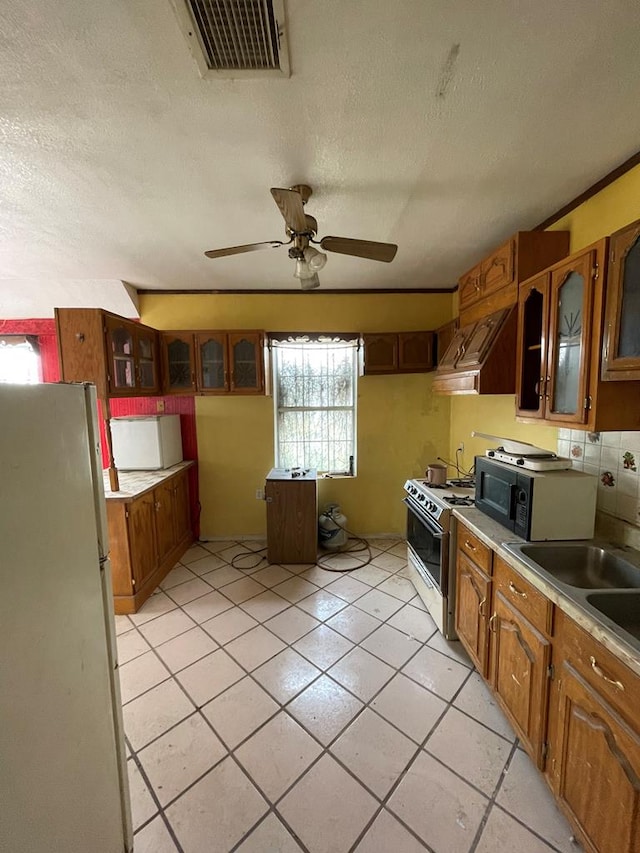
[63, 777]
[146, 442]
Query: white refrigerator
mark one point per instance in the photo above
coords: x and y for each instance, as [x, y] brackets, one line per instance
[63, 779]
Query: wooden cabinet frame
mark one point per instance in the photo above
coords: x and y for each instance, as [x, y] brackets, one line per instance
[573, 703]
[227, 341]
[398, 352]
[600, 405]
[148, 533]
[614, 366]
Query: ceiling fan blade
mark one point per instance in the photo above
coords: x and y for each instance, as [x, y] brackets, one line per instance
[360, 248]
[291, 208]
[239, 250]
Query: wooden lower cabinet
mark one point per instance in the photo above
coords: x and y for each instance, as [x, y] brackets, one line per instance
[520, 660]
[473, 600]
[148, 534]
[574, 705]
[593, 763]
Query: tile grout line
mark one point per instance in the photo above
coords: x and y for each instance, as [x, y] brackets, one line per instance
[322, 671]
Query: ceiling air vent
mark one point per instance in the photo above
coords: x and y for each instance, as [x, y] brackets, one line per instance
[235, 38]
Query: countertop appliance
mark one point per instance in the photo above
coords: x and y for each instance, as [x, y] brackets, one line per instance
[537, 505]
[524, 455]
[146, 442]
[64, 780]
[430, 553]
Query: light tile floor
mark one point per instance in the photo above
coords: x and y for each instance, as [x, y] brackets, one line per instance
[283, 709]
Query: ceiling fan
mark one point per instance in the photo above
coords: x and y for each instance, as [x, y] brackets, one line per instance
[301, 229]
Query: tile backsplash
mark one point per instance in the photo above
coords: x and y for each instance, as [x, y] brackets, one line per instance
[614, 458]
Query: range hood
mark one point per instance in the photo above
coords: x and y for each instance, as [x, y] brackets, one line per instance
[481, 358]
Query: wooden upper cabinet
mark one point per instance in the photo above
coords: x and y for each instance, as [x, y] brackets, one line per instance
[444, 336]
[148, 360]
[480, 340]
[621, 354]
[178, 363]
[212, 365]
[533, 330]
[120, 356]
[380, 352]
[469, 287]
[245, 353]
[571, 303]
[562, 312]
[455, 348]
[498, 269]
[415, 351]
[493, 283]
[398, 352]
[213, 362]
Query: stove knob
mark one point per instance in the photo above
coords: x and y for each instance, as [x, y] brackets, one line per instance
[432, 506]
[421, 498]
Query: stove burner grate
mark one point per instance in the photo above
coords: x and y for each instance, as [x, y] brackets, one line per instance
[463, 483]
[460, 501]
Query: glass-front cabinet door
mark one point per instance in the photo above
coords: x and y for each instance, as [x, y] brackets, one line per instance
[621, 355]
[245, 355]
[178, 361]
[121, 356]
[213, 373]
[571, 295]
[147, 361]
[531, 371]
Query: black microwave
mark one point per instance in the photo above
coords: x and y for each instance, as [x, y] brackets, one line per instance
[537, 505]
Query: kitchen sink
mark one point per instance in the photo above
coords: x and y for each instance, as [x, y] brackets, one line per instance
[582, 564]
[622, 608]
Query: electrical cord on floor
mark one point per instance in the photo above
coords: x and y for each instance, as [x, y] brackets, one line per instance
[345, 549]
[323, 559]
[243, 554]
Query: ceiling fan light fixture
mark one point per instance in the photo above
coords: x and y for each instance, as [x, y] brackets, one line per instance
[315, 259]
[310, 283]
[303, 270]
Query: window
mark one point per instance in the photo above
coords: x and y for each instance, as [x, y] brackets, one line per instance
[315, 384]
[19, 360]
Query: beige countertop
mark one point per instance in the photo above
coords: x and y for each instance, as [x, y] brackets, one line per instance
[136, 483]
[495, 536]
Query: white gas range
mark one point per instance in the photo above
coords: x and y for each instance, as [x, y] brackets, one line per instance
[430, 556]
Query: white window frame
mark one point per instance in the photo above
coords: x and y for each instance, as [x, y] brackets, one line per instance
[302, 341]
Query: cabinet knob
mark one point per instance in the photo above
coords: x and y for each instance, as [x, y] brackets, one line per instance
[157, 505]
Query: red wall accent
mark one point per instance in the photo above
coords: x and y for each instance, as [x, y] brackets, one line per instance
[45, 330]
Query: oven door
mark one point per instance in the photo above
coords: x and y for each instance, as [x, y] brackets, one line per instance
[430, 544]
[496, 492]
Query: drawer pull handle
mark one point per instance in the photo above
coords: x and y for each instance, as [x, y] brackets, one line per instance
[468, 545]
[481, 609]
[516, 591]
[491, 623]
[598, 671]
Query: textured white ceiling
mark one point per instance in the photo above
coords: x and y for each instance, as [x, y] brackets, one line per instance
[118, 161]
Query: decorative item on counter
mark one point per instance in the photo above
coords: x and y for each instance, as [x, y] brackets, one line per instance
[436, 474]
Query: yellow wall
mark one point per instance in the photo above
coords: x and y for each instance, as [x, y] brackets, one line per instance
[401, 425]
[611, 209]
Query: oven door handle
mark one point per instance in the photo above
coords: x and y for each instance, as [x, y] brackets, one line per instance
[415, 508]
